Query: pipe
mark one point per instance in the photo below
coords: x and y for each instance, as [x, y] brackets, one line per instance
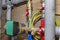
[58, 31]
[17, 1]
[8, 15]
[5, 2]
[49, 20]
[30, 12]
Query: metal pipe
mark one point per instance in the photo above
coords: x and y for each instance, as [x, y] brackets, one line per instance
[8, 15]
[49, 20]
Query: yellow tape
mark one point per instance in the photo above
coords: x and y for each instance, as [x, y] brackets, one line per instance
[29, 5]
[34, 17]
[56, 21]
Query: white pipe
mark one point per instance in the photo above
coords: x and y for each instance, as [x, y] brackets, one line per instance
[43, 6]
[17, 1]
[49, 20]
[30, 14]
[4, 2]
[58, 31]
[8, 15]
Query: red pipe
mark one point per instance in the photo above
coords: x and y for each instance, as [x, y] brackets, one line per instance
[42, 28]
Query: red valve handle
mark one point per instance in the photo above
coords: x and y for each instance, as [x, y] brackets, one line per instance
[42, 8]
[27, 12]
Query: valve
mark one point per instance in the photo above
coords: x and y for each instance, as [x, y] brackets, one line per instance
[27, 12]
[11, 28]
[42, 8]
